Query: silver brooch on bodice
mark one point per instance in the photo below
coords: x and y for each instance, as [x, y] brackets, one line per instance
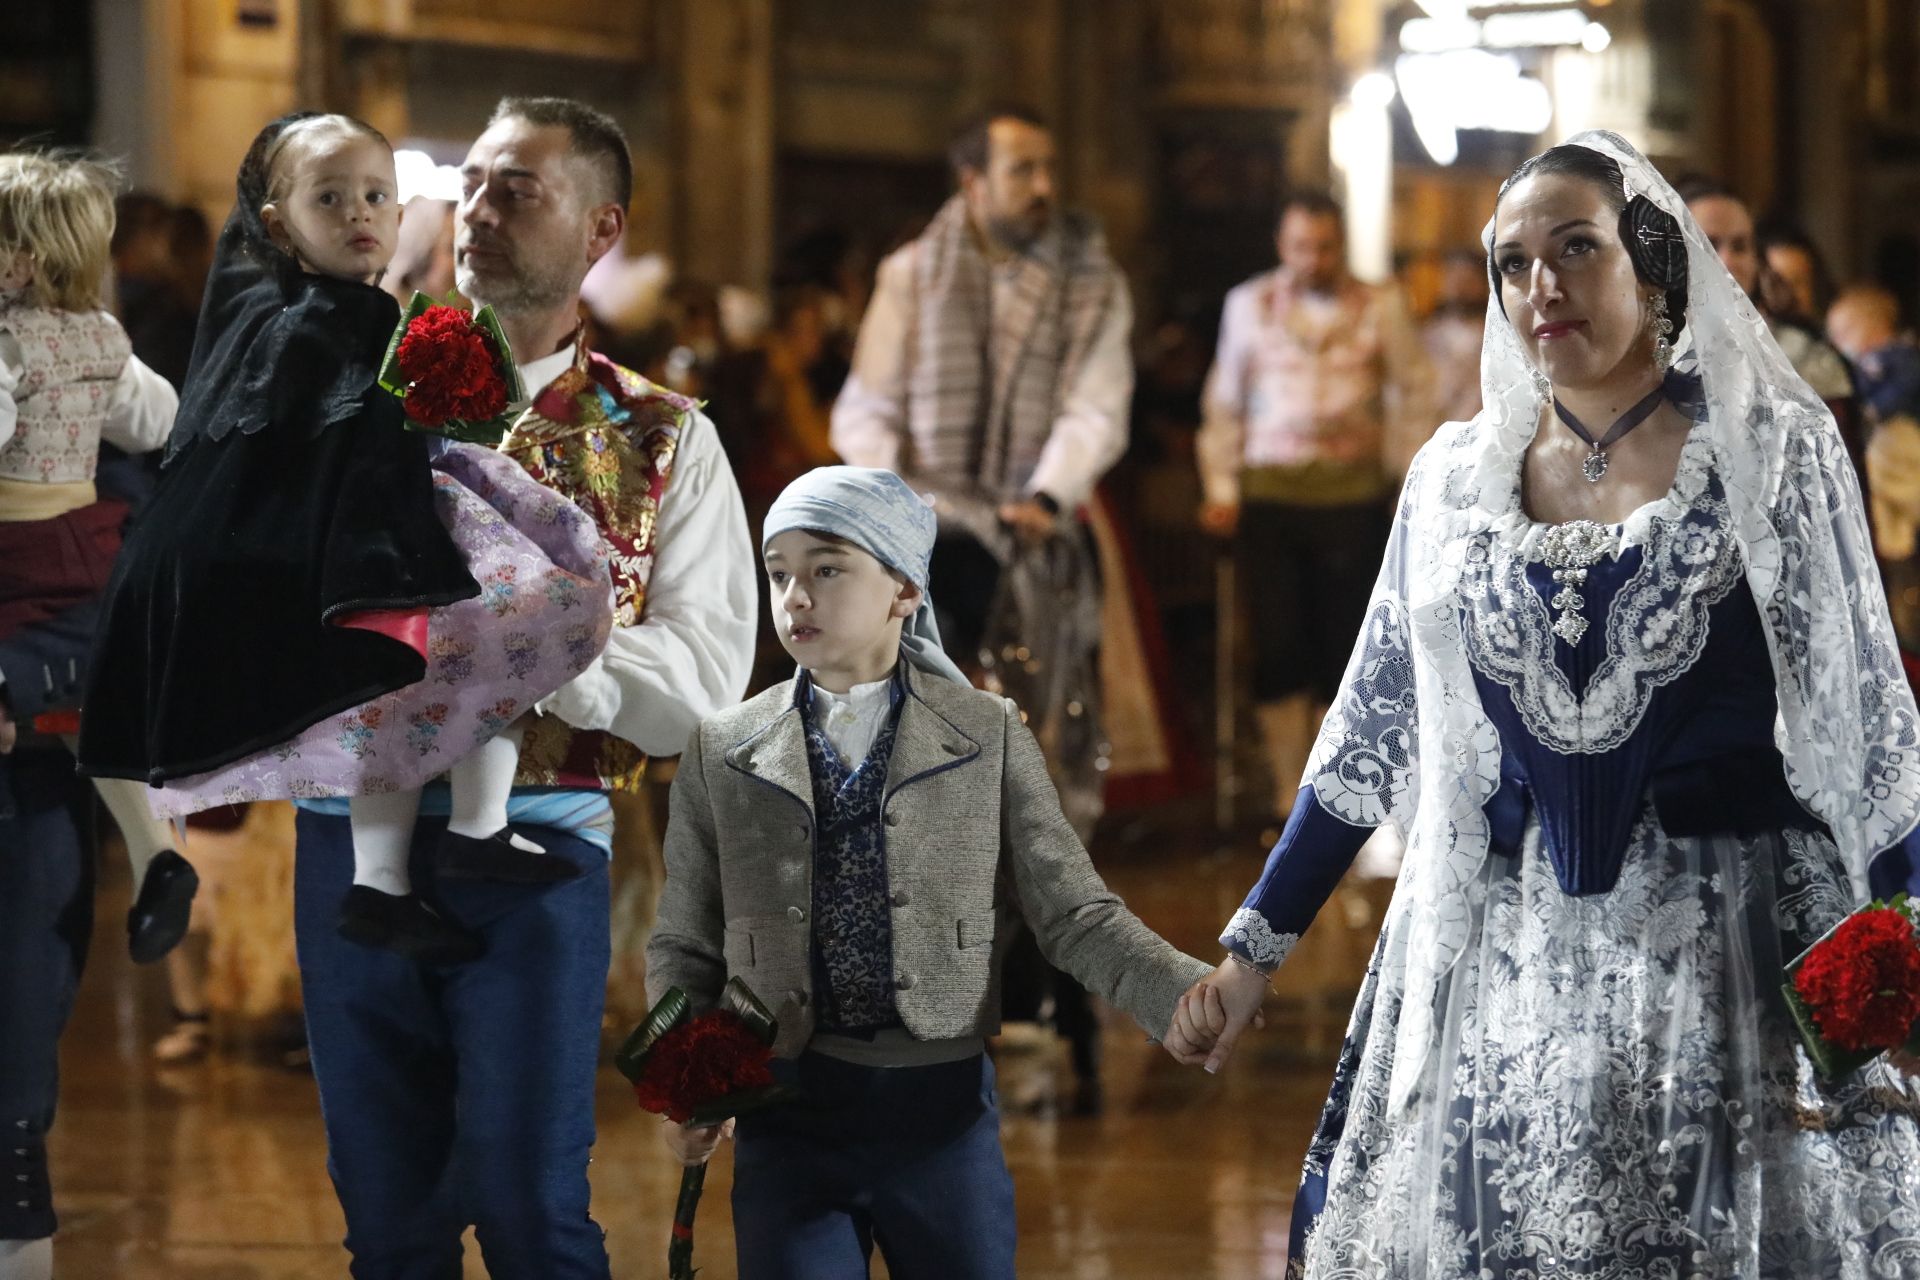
[1570, 550]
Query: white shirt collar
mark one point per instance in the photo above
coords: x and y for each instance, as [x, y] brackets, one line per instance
[537, 375]
[859, 697]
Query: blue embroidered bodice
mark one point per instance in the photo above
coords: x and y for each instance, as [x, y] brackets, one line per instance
[1694, 738]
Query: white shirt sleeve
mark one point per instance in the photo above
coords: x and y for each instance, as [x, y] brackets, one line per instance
[10, 366]
[1091, 432]
[140, 414]
[691, 653]
[1220, 447]
[870, 415]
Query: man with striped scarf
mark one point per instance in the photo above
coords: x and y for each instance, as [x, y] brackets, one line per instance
[993, 372]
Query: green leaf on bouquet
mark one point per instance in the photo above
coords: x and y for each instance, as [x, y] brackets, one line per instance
[739, 998]
[488, 432]
[510, 368]
[391, 379]
[672, 1009]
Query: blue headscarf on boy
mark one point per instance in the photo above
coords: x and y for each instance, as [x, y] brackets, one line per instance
[877, 512]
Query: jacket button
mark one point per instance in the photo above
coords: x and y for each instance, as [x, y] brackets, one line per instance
[893, 818]
[796, 915]
[801, 833]
[901, 897]
[798, 997]
[904, 982]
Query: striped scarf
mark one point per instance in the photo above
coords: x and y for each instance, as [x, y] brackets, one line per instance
[985, 389]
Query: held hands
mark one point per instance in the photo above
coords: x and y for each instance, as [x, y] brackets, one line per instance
[1215, 1010]
[694, 1146]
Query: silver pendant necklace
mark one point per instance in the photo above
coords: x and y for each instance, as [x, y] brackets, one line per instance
[1595, 464]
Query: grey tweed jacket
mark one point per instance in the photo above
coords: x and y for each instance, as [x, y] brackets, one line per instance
[973, 834]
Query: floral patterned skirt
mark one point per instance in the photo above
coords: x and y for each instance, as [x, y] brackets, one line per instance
[1617, 1091]
[543, 613]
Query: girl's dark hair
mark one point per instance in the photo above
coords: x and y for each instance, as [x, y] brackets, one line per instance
[254, 186]
[1652, 236]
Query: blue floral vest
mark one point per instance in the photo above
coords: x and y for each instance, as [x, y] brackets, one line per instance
[852, 910]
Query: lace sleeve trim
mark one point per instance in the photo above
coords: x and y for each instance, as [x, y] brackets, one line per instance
[1249, 934]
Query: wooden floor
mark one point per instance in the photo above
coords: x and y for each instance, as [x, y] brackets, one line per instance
[217, 1171]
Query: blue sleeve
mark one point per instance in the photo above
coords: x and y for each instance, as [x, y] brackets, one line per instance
[1897, 869]
[1307, 862]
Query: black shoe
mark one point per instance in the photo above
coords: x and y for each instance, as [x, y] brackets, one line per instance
[495, 858]
[158, 918]
[405, 924]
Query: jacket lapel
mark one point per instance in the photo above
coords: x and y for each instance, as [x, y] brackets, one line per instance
[926, 741]
[776, 754]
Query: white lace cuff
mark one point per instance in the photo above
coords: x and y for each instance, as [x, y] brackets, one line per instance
[1249, 935]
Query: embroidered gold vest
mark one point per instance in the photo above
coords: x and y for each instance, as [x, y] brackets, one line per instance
[605, 438]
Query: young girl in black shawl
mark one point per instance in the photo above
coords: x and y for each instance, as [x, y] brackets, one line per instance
[322, 602]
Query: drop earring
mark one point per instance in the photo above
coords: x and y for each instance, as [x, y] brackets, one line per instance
[1662, 326]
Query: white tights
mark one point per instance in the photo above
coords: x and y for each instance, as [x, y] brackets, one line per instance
[383, 824]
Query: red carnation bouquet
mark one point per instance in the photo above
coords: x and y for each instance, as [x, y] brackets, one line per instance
[702, 1071]
[1856, 992]
[453, 371]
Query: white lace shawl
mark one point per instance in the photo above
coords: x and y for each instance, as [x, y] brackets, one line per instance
[1407, 740]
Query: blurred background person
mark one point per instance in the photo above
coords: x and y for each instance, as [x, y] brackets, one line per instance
[1728, 223]
[1795, 264]
[1314, 373]
[1451, 336]
[1864, 322]
[423, 255]
[158, 302]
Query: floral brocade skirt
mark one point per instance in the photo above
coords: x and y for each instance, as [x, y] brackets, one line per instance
[543, 614]
[1617, 1091]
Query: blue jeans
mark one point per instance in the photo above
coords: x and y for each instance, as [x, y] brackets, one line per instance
[46, 919]
[905, 1157]
[462, 1094]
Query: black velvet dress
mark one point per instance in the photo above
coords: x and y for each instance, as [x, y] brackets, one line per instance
[291, 495]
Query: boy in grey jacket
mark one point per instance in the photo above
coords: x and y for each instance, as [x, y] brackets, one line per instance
[851, 844]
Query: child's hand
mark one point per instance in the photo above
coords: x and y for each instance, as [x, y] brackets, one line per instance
[692, 1146]
[1215, 1010]
[9, 734]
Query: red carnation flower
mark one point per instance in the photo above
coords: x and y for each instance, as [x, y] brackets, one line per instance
[1862, 982]
[452, 369]
[703, 1060]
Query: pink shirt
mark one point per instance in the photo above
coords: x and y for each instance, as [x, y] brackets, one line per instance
[1304, 377]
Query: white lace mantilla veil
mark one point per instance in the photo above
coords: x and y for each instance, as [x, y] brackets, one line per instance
[1407, 741]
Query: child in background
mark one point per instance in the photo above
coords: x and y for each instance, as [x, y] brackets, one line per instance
[68, 382]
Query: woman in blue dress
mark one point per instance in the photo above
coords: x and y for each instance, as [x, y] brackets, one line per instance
[1629, 689]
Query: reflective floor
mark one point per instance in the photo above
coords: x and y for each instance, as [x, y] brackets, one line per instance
[216, 1171]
